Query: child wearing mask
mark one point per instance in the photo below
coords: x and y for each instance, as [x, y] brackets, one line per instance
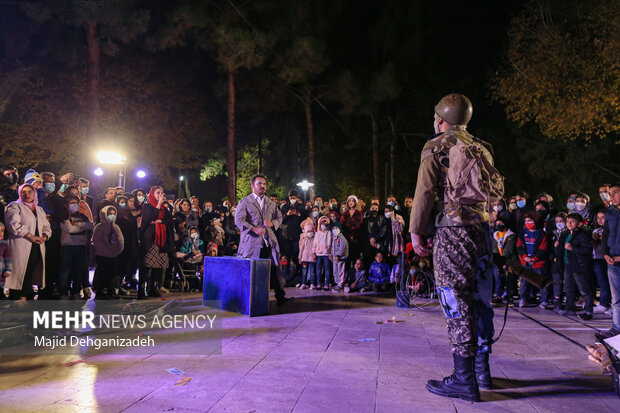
[577, 254]
[339, 254]
[74, 240]
[307, 258]
[357, 277]
[108, 243]
[6, 264]
[532, 247]
[193, 249]
[557, 260]
[322, 248]
[504, 250]
[379, 274]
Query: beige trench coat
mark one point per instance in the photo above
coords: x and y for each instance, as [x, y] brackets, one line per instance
[19, 221]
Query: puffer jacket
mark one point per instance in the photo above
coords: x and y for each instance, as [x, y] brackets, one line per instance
[322, 239]
[306, 248]
[340, 247]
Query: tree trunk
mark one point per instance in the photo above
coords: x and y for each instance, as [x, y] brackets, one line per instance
[93, 81]
[188, 194]
[310, 129]
[393, 155]
[230, 153]
[376, 159]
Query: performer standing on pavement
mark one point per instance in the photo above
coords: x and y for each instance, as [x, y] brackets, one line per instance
[456, 185]
[258, 217]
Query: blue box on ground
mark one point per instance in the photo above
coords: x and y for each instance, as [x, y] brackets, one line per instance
[241, 284]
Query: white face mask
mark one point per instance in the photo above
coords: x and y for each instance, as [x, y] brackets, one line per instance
[513, 206]
[140, 198]
[194, 235]
[336, 231]
[293, 201]
[388, 215]
[560, 225]
[310, 234]
[580, 206]
[497, 208]
[605, 196]
[324, 227]
[73, 208]
[315, 213]
[209, 209]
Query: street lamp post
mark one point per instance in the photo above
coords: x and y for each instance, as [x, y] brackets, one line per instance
[305, 185]
[179, 191]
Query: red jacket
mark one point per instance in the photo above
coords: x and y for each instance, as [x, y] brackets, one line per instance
[352, 225]
[541, 247]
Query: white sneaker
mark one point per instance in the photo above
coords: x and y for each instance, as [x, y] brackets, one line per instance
[303, 287]
[312, 287]
[608, 312]
[298, 285]
[600, 309]
[319, 287]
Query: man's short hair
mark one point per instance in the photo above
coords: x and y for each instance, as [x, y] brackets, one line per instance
[255, 177]
[575, 216]
[8, 168]
[46, 174]
[616, 185]
[110, 189]
[71, 197]
[84, 181]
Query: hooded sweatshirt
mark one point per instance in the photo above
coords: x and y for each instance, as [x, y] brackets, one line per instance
[323, 238]
[108, 239]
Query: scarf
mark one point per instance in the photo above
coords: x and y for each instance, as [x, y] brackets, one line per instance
[31, 205]
[160, 228]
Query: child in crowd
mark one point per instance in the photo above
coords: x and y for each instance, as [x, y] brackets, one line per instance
[577, 245]
[108, 243]
[193, 248]
[379, 274]
[215, 233]
[339, 255]
[504, 252]
[6, 264]
[75, 234]
[532, 246]
[557, 264]
[307, 258]
[322, 248]
[357, 277]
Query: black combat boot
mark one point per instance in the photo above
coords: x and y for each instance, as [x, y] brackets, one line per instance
[142, 290]
[461, 384]
[483, 371]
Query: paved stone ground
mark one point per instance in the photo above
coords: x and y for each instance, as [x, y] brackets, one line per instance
[308, 357]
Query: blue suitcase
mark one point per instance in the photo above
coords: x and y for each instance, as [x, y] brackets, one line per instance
[241, 284]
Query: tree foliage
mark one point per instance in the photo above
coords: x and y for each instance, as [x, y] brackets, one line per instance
[562, 68]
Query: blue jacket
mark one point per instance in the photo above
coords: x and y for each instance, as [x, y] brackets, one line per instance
[379, 272]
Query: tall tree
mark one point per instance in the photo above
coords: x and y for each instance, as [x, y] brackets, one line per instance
[105, 22]
[562, 68]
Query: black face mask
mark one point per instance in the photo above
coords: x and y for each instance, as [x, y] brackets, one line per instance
[500, 227]
[543, 213]
[374, 213]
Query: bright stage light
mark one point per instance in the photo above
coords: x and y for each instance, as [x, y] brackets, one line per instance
[140, 174]
[98, 171]
[305, 185]
[111, 158]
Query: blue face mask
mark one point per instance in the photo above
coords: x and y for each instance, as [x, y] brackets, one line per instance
[123, 205]
[85, 190]
[391, 203]
[521, 203]
[111, 218]
[50, 187]
[570, 206]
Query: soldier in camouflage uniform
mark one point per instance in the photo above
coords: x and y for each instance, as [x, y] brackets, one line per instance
[461, 253]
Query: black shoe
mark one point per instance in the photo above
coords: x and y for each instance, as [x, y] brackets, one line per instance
[100, 296]
[461, 384]
[585, 316]
[483, 371]
[284, 300]
[154, 293]
[496, 300]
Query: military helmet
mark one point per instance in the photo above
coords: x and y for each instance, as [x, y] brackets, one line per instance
[456, 109]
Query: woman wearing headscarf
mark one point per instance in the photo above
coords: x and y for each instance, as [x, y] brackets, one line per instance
[351, 221]
[156, 241]
[29, 229]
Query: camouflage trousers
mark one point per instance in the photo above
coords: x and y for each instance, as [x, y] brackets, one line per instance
[464, 282]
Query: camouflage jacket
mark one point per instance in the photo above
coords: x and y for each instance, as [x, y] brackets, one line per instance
[429, 209]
